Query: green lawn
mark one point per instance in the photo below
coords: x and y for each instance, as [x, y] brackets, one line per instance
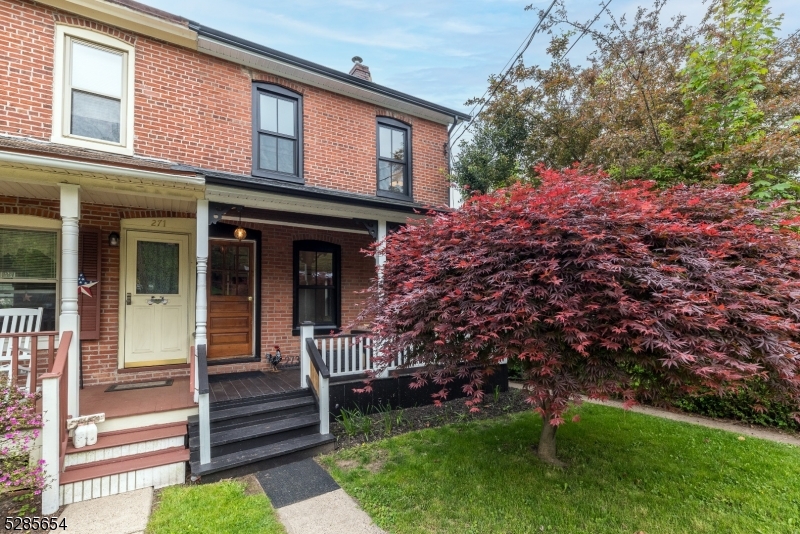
[213, 509]
[627, 473]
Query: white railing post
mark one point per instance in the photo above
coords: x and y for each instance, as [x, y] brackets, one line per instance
[204, 408]
[51, 444]
[324, 405]
[70, 211]
[205, 429]
[306, 331]
[201, 304]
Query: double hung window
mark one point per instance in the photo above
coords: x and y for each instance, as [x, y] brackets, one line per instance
[29, 271]
[277, 133]
[94, 91]
[394, 158]
[316, 283]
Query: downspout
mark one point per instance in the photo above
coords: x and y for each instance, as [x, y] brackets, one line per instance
[449, 146]
[450, 156]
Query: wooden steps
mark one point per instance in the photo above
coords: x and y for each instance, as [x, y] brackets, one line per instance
[118, 438]
[125, 460]
[248, 435]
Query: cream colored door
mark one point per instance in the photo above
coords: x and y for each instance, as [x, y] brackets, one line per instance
[156, 298]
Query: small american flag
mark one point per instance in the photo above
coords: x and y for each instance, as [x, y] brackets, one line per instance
[85, 285]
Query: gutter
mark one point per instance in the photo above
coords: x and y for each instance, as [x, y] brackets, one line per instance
[315, 68]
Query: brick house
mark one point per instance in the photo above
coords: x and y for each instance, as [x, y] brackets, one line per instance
[211, 195]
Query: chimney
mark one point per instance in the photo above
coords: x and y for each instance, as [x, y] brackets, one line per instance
[360, 70]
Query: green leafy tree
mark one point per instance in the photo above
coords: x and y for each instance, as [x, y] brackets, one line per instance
[661, 100]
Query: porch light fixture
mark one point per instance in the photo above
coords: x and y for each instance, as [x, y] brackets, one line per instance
[240, 233]
[113, 239]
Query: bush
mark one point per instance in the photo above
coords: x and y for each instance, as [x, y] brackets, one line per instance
[742, 407]
[19, 428]
[584, 281]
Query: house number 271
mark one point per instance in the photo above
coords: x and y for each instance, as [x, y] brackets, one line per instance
[159, 222]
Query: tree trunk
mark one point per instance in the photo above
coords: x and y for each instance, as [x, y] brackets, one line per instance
[547, 444]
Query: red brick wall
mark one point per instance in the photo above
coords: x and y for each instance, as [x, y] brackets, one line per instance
[195, 109]
[100, 358]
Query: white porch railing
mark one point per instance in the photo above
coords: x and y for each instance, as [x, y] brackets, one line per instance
[352, 354]
[54, 422]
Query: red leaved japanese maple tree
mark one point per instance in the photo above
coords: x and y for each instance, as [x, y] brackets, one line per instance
[599, 289]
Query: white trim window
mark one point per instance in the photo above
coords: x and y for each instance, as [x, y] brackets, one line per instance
[93, 93]
[29, 259]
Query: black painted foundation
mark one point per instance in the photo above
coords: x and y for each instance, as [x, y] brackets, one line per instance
[395, 392]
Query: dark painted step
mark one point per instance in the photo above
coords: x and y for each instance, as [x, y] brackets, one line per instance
[248, 414]
[222, 405]
[257, 435]
[259, 458]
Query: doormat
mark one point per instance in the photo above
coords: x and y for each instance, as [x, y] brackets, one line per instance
[140, 385]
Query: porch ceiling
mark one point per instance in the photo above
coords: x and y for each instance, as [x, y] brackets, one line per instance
[99, 196]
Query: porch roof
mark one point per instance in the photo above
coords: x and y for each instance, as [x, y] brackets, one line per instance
[343, 199]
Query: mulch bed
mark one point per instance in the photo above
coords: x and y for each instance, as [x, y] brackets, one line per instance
[409, 419]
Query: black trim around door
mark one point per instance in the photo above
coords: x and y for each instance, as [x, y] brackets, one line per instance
[223, 230]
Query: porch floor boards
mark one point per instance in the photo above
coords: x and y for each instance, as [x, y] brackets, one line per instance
[95, 399]
[234, 386]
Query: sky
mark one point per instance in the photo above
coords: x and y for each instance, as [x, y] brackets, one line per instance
[440, 50]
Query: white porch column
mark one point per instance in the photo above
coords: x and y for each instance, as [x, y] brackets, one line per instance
[69, 319]
[380, 258]
[201, 299]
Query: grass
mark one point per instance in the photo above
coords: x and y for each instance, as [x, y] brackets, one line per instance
[628, 473]
[213, 509]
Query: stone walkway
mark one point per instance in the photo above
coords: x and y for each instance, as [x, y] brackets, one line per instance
[742, 429]
[309, 501]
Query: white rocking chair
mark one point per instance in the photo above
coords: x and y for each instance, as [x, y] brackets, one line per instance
[18, 321]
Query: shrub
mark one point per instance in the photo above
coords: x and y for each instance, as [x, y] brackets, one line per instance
[586, 281]
[19, 428]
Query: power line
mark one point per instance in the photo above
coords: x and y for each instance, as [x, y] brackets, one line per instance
[562, 56]
[509, 65]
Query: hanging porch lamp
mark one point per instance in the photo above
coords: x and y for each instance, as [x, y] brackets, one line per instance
[240, 233]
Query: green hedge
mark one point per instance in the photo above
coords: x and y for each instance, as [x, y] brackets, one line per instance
[738, 406]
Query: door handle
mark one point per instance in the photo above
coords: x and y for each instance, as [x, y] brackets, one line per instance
[128, 299]
[250, 299]
[156, 300]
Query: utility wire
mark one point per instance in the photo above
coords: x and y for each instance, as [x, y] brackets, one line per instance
[562, 56]
[510, 64]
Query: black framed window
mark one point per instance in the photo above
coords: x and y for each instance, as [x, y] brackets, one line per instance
[317, 283]
[394, 158]
[277, 133]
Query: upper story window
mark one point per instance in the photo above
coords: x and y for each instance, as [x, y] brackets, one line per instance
[277, 133]
[93, 97]
[394, 159]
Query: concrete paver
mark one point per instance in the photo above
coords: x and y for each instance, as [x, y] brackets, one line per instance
[126, 513]
[334, 512]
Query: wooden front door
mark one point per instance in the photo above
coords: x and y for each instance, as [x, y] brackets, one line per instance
[231, 296]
